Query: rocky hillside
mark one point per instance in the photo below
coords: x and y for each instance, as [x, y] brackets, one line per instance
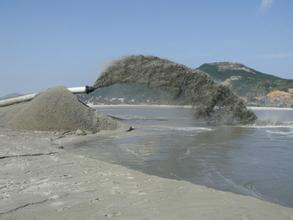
[245, 81]
[187, 86]
[279, 98]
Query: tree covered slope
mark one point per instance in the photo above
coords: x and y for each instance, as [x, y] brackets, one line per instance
[245, 81]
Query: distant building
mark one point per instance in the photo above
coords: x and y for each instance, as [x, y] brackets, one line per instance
[290, 91]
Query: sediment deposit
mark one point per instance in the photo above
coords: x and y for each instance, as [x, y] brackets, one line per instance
[40, 178]
[56, 109]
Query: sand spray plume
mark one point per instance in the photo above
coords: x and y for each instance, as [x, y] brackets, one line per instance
[210, 100]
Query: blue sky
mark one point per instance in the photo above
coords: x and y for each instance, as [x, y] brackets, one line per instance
[68, 42]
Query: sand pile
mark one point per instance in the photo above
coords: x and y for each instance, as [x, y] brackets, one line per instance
[57, 109]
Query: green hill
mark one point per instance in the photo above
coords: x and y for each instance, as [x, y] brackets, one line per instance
[245, 81]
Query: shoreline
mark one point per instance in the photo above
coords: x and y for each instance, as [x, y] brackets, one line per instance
[140, 105]
[181, 106]
[66, 185]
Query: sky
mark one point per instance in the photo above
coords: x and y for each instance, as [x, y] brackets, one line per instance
[44, 43]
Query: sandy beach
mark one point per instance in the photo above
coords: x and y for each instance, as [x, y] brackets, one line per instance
[41, 179]
[146, 110]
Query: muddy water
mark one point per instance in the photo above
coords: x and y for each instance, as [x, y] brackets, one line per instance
[252, 160]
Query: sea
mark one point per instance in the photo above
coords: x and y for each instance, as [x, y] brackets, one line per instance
[254, 160]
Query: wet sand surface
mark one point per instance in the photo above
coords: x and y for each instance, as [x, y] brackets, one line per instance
[253, 160]
[41, 179]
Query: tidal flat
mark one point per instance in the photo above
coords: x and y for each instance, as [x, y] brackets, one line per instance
[41, 178]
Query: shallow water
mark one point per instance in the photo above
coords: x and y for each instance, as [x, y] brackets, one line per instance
[254, 160]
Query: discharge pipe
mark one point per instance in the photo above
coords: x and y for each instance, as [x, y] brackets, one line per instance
[26, 98]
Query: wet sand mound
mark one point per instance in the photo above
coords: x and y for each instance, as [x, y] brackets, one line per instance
[56, 109]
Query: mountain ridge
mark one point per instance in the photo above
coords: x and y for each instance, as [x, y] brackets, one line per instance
[243, 80]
